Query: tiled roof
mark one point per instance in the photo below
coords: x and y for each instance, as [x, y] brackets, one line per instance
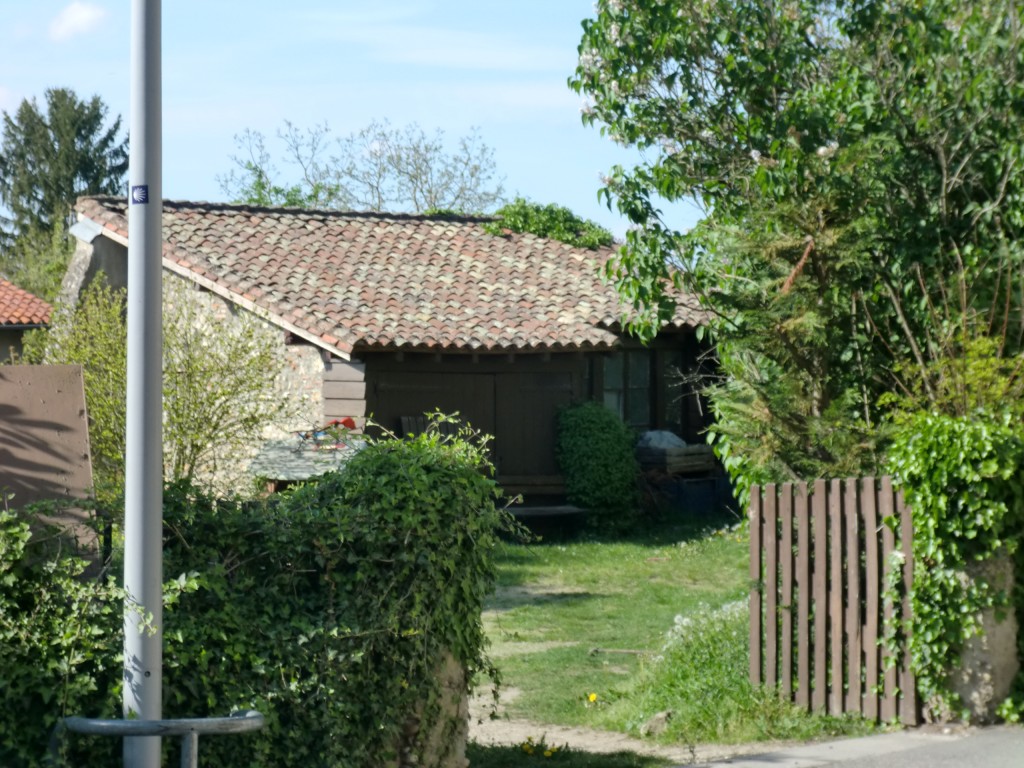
[18, 307]
[389, 281]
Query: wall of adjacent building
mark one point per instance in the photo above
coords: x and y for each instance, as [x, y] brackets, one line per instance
[314, 386]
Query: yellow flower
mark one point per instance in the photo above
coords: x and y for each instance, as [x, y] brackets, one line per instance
[548, 753]
[592, 698]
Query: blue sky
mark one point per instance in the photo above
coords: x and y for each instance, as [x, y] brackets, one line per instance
[228, 66]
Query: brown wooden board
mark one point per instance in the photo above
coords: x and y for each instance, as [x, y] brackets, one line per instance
[771, 545]
[835, 597]
[873, 576]
[786, 554]
[757, 585]
[820, 597]
[803, 588]
[853, 598]
[887, 510]
[44, 434]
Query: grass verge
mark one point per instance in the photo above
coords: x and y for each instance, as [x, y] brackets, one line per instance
[543, 754]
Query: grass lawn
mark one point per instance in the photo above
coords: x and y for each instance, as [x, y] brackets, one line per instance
[575, 618]
[578, 630]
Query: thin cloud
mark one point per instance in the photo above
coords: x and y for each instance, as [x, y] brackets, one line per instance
[79, 18]
[399, 40]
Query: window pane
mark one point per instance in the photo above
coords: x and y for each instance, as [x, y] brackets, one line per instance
[639, 408]
[613, 401]
[640, 368]
[613, 372]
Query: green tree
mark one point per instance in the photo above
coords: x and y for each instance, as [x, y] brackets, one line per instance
[219, 384]
[37, 259]
[219, 376]
[859, 166]
[378, 168]
[48, 158]
[552, 221]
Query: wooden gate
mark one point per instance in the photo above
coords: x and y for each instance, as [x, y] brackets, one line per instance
[820, 557]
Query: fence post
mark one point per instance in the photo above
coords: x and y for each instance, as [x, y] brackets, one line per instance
[756, 586]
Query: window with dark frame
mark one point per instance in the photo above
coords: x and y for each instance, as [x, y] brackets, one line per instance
[626, 386]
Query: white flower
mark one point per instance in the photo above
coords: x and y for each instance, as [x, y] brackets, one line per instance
[755, 155]
[589, 60]
[828, 150]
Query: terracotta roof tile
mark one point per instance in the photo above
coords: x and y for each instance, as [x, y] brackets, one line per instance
[19, 307]
[369, 280]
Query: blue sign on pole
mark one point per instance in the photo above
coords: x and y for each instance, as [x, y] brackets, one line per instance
[140, 194]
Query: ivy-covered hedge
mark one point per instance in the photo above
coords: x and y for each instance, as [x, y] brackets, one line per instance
[594, 450]
[60, 646]
[329, 608]
[962, 478]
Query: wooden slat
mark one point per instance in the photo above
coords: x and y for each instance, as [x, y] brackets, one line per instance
[786, 550]
[835, 597]
[872, 579]
[344, 370]
[756, 585]
[345, 390]
[908, 684]
[339, 409]
[820, 596]
[854, 664]
[803, 587]
[771, 582]
[887, 509]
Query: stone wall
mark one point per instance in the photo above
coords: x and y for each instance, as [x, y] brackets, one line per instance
[299, 384]
[297, 388]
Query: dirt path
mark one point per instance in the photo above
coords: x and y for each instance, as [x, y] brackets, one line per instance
[506, 731]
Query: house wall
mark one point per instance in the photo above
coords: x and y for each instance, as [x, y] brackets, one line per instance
[297, 387]
[515, 398]
[344, 390]
[89, 260]
[300, 384]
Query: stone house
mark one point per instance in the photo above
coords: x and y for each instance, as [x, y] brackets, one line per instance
[387, 316]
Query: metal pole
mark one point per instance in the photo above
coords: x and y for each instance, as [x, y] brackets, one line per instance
[143, 526]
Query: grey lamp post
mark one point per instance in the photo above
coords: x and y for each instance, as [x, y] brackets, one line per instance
[143, 525]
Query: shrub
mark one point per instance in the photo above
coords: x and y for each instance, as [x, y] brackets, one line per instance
[961, 477]
[60, 640]
[595, 453]
[330, 609]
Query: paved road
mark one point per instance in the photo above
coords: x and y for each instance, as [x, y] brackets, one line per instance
[930, 747]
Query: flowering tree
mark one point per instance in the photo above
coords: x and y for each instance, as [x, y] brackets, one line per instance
[378, 168]
[858, 164]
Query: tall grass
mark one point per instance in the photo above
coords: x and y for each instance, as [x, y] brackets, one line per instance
[699, 688]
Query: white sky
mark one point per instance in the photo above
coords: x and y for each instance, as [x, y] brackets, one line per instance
[229, 65]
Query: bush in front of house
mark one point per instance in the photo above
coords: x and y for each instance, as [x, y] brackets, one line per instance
[330, 609]
[595, 454]
[60, 641]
